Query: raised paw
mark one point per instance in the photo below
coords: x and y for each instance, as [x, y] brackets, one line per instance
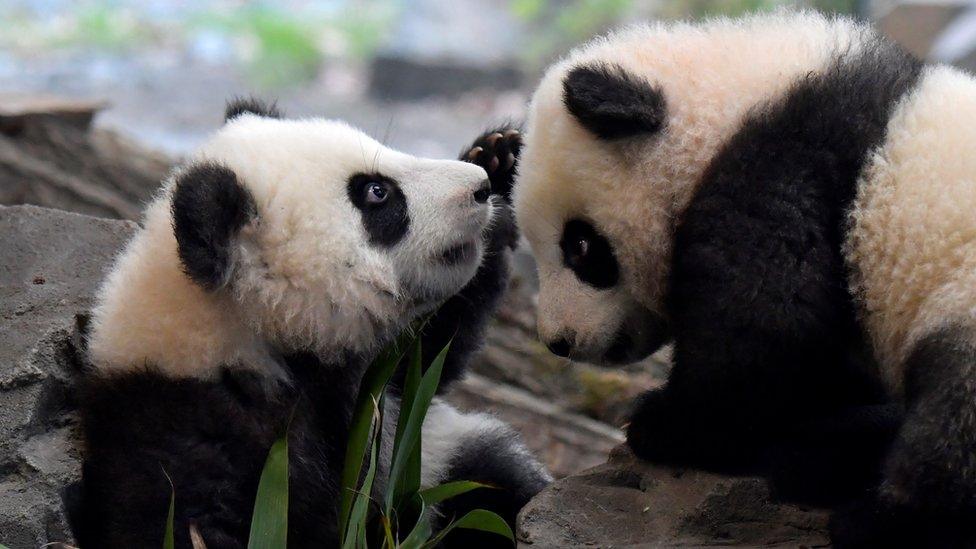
[497, 152]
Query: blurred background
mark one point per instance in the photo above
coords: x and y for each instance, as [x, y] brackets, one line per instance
[99, 99]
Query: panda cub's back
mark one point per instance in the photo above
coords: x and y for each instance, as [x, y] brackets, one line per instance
[912, 239]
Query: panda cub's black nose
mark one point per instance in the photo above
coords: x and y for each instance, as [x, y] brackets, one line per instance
[482, 194]
[560, 347]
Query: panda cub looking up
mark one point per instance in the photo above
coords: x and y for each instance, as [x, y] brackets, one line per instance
[268, 273]
[791, 200]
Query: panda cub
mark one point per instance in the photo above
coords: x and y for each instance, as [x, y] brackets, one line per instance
[267, 274]
[790, 199]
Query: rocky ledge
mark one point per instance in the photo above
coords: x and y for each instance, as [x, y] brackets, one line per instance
[50, 265]
[627, 503]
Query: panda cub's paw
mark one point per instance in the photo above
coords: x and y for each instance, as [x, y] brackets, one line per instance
[666, 429]
[497, 152]
[649, 433]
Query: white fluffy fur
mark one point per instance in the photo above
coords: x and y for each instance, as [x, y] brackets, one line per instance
[446, 431]
[912, 243]
[711, 75]
[304, 277]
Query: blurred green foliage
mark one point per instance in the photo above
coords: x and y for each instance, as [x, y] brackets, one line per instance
[558, 25]
[706, 8]
[278, 48]
[290, 47]
[107, 29]
[275, 45]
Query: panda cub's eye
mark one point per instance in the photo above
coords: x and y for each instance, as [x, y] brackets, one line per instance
[579, 250]
[589, 254]
[377, 193]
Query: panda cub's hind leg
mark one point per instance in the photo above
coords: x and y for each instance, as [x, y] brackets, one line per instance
[927, 495]
[478, 447]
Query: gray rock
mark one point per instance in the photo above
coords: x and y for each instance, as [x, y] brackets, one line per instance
[626, 502]
[51, 263]
[50, 157]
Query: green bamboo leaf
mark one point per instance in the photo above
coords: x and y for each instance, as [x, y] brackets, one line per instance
[2, 546]
[402, 488]
[485, 521]
[410, 441]
[169, 539]
[372, 386]
[478, 519]
[355, 535]
[421, 531]
[448, 490]
[269, 522]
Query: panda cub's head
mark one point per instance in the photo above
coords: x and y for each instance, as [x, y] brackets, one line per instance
[288, 235]
[618, 137]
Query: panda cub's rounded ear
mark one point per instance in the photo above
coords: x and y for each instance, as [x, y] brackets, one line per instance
[251, 105]
[612, 103]
[209, 208]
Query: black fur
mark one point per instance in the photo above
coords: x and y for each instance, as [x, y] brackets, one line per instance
[211, 438]
[836, 457]
[209, 207]
[386, 223]
[490, 459]
[589, 254]
[765, 333]
[251, 105]
[612, 103]
[928, 494]
[463, 319]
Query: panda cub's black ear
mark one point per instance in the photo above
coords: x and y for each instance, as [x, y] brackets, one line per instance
[209, 208]
[612, 103]
[251, 105]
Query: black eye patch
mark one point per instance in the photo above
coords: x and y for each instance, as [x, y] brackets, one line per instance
[588, 254]
[386, 222]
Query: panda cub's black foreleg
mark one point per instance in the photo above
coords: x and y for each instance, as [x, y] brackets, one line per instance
[927, 496]
[463, 319]
[762, 324]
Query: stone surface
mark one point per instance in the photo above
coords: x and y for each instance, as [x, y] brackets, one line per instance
[50, 157]
[50, 265]
[626, 503]
[19, 110]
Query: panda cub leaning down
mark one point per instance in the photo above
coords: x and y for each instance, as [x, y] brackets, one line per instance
[788, 198]
[267, 274]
